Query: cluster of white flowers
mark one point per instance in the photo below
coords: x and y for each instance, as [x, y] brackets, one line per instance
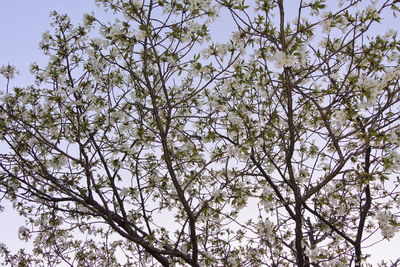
[340, 117]
[220, 50]
[205, 5]
[265, 229]
[386, 223]
[326, 26]
[302, 50]
[124, 191]
[334, 76]
[235, 119]
[47, 42]
[24, 233]
[373, 86]
[302, 175]
[46, 37]
[323, 42]
[57, 163]
[232, 151]
[239, 42]
[283, 60]
[3, 116]
[100, 43]
[136, 3]
[3, 247]
[88, 19]
[115, 29]
[141, 35]
[233, 261]
[334, 262]
[338, 205]
[337, 44]
[371, 10]
[315, 254]
[171, 60]
[197, 69]
[13, 184]
[326, 23]
[266, 196]
[217, 193]
[392, 73]
[343, 24]
[394, 158]
[208, 255]
[8, 71]
[391, 33]
[393, 137]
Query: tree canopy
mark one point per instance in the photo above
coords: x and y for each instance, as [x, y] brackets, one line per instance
[176, 136]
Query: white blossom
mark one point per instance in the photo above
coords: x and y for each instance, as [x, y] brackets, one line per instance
[8, 71]
[283, 60]
[326, 26]
[124, 191]
[24, 233]
[388, 228]
[141, 35]
[340, 116]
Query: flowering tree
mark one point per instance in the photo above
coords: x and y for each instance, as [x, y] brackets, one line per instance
[150, 143]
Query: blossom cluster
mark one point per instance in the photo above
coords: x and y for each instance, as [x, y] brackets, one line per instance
[8, 71]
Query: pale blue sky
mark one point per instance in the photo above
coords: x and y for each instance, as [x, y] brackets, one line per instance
[22, 23]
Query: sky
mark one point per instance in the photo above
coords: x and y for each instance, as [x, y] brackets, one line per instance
[22, 23]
